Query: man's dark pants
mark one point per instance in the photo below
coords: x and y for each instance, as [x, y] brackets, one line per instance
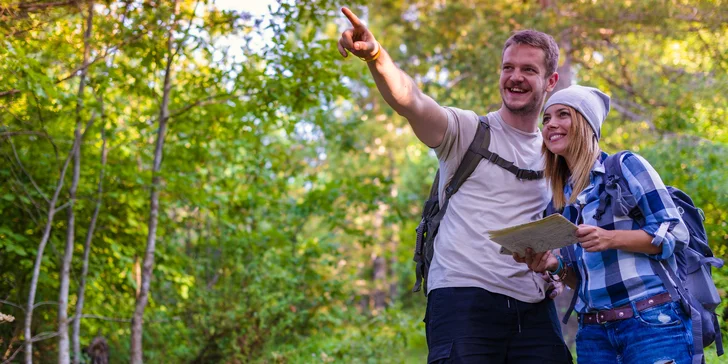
[472, 325]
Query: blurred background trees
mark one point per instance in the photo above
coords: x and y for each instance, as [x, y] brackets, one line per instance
[288, 191]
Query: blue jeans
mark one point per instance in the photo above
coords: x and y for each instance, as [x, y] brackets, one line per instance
[472, 325]
[656, 335]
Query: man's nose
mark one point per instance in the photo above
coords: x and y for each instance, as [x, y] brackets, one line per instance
[517, 76]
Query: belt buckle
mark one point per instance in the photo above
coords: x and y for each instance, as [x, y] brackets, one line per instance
[597, 316]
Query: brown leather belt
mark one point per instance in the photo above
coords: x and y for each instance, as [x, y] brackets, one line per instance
[624, 312]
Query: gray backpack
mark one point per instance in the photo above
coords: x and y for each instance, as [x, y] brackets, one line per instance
[694, 287]
[432, 213]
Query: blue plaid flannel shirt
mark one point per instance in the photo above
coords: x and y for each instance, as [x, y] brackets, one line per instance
[614, 278]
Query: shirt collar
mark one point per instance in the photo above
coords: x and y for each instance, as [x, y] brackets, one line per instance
[599, 164]
[597, 168]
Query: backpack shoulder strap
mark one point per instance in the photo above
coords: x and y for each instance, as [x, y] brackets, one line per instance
[471, 159]
[467, 165]
[494, 158]
[613, 164]
[616, 190]
[477, 150]
[570, 253]
[690, 306]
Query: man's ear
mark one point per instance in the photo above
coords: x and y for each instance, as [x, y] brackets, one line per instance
[551, 81]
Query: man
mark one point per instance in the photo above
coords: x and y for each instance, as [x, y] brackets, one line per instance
[482, 306]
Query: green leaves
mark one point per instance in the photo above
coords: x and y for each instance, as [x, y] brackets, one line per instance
[285, 175]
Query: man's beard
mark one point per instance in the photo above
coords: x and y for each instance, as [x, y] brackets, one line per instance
[526, 109]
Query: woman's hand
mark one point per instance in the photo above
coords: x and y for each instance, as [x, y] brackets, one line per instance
[540, 262]
[595, 239]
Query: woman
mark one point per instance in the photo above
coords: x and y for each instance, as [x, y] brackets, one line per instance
[625, 312]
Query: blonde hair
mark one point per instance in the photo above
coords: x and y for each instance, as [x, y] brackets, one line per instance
[585, 149]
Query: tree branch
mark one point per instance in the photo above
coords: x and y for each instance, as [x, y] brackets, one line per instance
[11, 357]
[62, 207]
[148, 261]
[44, 303]
[108, 51]
[44, 336]
[28, 344]
[12, 304]
[21, 132]
[39, 5]
[25, 189]
[22, 168]
[202, 102]
[80, 297]
[9, 92]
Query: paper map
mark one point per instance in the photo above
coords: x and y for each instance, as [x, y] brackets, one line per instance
[553, 232]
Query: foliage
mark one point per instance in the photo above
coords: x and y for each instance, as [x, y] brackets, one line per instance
[290, 189]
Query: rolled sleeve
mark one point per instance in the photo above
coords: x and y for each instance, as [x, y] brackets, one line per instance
[661, 238]
[661, 217]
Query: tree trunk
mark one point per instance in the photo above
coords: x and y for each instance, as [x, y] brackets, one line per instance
[565, 76]
[379, 267]
[379, 264]
[98, 351]
[394, 240]
[64, 356]
[393, 278]
[75, 339]
[28, 344]
[137, 319]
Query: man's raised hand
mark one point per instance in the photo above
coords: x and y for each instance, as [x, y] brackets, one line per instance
[358, 39]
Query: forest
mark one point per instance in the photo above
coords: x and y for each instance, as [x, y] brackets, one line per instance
[191, 181]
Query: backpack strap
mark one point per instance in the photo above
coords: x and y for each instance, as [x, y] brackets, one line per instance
[431, 203]
[494, 158]
[616, 191]
[571, 254]
[467, 165]
[718, 337]
[679, 294]
[471, 159]
[618, 194]
[477, 150]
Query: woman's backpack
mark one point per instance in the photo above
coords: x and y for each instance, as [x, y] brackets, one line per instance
[694, 286]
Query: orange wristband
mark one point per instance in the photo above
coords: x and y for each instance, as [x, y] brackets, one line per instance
[376, 55]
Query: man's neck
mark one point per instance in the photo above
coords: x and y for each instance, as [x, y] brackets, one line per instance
[525, 122]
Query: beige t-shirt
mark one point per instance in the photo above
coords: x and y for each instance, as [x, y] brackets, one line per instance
[491, 198]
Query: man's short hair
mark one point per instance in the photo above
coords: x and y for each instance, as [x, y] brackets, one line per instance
[539, 40]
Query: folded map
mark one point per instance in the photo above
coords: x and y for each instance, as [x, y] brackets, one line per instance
[552, 232]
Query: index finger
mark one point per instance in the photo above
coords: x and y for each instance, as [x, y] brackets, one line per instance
[583, 230]
[353, 19]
